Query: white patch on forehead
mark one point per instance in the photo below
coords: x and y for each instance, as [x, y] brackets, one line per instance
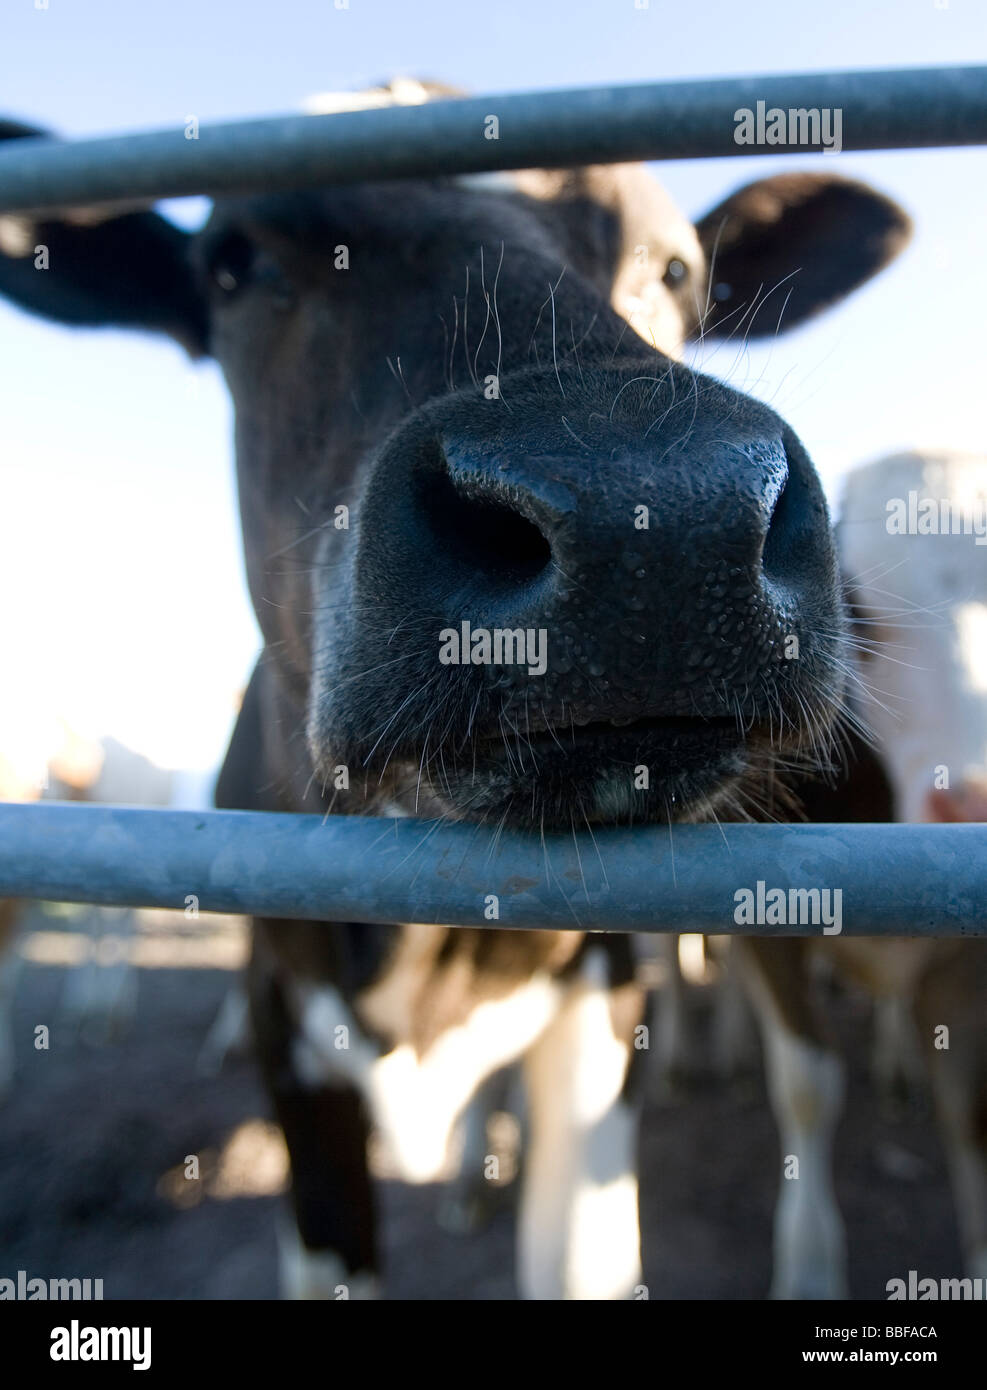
[654, 233]
[415, 1100]
[402, 91]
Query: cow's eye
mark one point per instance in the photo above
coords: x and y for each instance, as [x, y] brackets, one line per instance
[675, 273]
[230, 262]
[235, 263]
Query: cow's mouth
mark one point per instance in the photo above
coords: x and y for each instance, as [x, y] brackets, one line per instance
[554, 774]
[573, 735]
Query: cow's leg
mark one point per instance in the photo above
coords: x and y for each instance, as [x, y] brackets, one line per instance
[949, 1013]
[470, 1198]
[579, 1235]
[9, 965]
[229, 1032]
[330, 1251]
[99, 1000]
[735, 1048]
[675, 1042]
[806, 1085]
[896, 1062]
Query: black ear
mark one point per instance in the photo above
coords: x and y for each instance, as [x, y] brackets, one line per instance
[93, 267]
[809, 239]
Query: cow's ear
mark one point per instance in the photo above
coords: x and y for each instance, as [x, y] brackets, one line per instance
[99, 267]
[784, 248]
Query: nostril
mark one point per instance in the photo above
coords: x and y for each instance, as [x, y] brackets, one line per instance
[780, 555]
[484, 533]
[777, 527]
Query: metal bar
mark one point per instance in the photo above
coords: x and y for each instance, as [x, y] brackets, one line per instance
[907, 880]
[904, 108]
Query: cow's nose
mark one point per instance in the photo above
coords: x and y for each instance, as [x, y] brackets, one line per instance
[509, 536]
[489, 533]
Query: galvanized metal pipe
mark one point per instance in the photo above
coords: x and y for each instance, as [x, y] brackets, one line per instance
[904, 108]
[917, 880]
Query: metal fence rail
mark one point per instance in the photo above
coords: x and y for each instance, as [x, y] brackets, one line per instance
[896, 109]
[918, 880]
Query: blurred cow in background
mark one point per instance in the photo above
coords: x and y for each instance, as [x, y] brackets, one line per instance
[920, 599]
[44, 758]
[33, 750]
[912, 545]
[913, 542]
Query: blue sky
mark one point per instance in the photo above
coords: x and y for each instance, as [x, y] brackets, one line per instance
[122, 602]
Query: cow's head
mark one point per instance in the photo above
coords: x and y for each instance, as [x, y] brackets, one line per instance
[577, 581]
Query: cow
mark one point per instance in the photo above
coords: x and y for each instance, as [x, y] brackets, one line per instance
[917, 591]
[461, 411]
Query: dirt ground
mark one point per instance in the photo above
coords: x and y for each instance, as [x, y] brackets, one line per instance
[93, 1138]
